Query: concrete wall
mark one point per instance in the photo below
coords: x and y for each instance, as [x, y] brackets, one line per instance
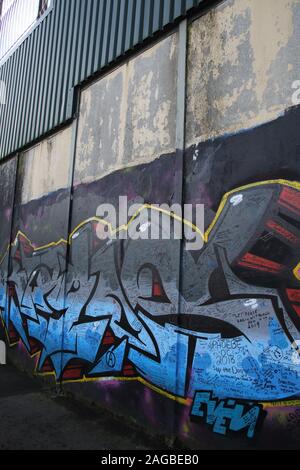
[147, 328]
[242, 74]
[129, 116]
[7, 189]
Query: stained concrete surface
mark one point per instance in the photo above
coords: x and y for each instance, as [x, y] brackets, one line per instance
[46, 167]
[31, 418]
[129, 116]
[243, 58]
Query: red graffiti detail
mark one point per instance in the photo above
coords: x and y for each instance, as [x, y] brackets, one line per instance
[128, 370]
[74, 371]
[47, 367]
[297, 309]
[290, 199]
[282, 231]
[157, 290]
[108, 338]
[261, 264]
[293, 295]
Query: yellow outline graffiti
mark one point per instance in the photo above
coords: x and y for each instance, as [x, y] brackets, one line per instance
[205, 237]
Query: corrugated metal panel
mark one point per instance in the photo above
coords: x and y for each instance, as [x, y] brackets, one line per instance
[23, 14]
[76, 39]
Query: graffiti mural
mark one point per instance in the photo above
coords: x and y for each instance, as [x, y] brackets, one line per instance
[204, 343]
[116, 309]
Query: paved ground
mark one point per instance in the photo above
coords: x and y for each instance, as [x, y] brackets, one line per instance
[31, 418]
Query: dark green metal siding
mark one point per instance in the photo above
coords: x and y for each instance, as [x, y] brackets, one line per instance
[76, 39]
